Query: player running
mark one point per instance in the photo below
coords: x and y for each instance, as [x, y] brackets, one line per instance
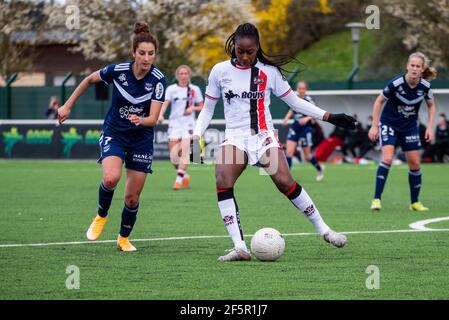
[137, 97]
[399, 124]
[185, 99]
[244, 83]
[300, 131]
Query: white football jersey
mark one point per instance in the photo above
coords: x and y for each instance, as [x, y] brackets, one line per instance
[180, 98]
[246, 94]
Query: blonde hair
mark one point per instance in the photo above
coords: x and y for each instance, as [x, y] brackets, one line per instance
[183, 66]
[429, 73]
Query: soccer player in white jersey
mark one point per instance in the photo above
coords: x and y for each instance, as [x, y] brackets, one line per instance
[184, 99]
[244, 83]
[128, 135]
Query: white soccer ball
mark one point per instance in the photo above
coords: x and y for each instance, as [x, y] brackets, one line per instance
[267, 244]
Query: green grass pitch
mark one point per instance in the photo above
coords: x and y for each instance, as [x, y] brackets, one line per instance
[45, 202]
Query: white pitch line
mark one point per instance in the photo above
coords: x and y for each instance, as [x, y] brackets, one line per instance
[421, 225]
[205, 237]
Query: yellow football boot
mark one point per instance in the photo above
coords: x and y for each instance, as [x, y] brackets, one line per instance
[123, 244]
[96, 227]
[418, 206]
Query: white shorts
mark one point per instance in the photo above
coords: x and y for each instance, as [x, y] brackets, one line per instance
[179, 130]
[254, 145]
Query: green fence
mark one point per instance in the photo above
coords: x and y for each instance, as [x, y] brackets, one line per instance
[32, 102]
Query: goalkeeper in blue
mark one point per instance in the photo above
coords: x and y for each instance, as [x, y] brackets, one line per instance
[245, 83]
[398, 124]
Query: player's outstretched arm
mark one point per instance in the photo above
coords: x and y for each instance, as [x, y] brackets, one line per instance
[64, 111]
[309, 109]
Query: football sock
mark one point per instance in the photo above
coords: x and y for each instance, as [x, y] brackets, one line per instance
[104, 200]
[414, 181]
[315, 163]
[301, 200]
[230, 215]
[289, 161]
[381, 178]
[180, 175]
[129, 216]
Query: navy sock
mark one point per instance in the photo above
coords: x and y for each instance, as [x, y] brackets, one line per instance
[315, 163]
[414, 181]
[289, 161]
[129, 216]
[381, 178]
[104, 200]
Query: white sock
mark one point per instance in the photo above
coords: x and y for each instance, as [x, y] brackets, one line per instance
[231, 220]
[180, 175]
[304, 203]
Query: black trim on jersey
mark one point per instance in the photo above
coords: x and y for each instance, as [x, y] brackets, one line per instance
[253, 102]
[188, 97]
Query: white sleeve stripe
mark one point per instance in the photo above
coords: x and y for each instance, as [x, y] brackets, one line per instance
[156, 71]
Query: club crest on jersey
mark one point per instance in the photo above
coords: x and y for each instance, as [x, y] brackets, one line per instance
[148, 86]
[122, 77]
[258, 80]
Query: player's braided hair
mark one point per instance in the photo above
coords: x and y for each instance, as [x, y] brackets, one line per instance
[249, 30]
[142, 34]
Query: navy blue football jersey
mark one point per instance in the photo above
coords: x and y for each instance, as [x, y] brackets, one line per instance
[403, 103]
[298, 115]
[131, 96]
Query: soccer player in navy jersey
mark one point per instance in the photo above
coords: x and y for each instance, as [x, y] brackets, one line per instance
[244, 83]
[300, 131]
[127, 137]
[398, 124]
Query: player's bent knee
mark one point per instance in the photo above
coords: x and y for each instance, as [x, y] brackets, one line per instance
[111, 181]
[131, 201]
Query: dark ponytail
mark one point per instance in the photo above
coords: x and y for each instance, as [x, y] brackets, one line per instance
[250, 31]
[142, 34]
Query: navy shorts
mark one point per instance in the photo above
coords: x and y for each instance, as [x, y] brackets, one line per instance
[137, 153]
[300, 134]
[408, 140]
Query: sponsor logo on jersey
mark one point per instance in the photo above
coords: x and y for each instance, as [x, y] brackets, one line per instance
[125, 111]
[230, 95]
[228, 220]
[407, 111]
[253, 94]
[420, 92]
[159, 90]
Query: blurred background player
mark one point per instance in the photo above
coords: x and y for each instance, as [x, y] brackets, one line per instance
[245, 83]
[52, 110]
[184, 99]
[398, 123]
[300, 131]
[128, 134]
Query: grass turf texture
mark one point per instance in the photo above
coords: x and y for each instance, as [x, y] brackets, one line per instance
[55, 201]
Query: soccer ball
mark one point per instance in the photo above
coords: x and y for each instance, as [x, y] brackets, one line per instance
[267, 244]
